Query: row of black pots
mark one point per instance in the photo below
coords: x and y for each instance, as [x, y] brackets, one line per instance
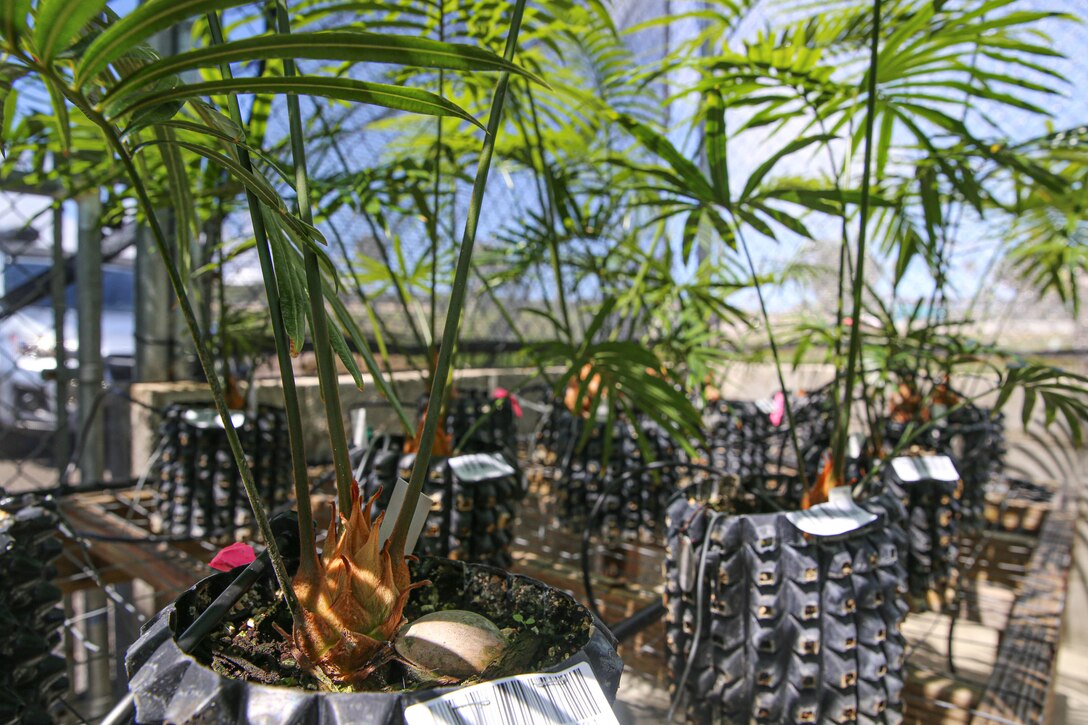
[789, 627]
[475, 499]
[170, 686]
[742, 438]
[32, 678]
[575, 459]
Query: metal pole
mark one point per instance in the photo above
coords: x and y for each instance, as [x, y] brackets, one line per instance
[89, 306]
[61, 443]
[153, 327]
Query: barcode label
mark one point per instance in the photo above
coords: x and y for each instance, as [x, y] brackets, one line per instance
[911, 469]
[570, 697]
[480, 467]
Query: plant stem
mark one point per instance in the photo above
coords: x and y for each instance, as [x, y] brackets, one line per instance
[326, 367]
[777, 360]
[457, 294]
[292, 410]
[838, 456]
[549, 210]
[402, 296]
[432, 221]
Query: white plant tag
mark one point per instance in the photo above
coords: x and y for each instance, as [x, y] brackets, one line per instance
[855, 444]
[358, 427]
[423, 507]
[570, 697]
[911, 469]
[396, 503]
[480, 467]
[207, 417]
[840, 515]
[765, 405]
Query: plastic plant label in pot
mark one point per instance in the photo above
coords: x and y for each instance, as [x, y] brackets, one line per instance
[839, 515]
[475, 467]
[570, 697]
[911, 469]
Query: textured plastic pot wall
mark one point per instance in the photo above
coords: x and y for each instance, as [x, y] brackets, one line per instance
[928, 536]
[578, 474]
[200, 493]
[793, 628]
[974, 439]
[742, 440]
[31, 678]
[171, 687]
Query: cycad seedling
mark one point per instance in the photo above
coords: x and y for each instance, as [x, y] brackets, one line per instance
[351, 599]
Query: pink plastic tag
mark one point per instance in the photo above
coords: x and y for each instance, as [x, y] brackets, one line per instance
[779, 409]
[501, 393]
[237, 554]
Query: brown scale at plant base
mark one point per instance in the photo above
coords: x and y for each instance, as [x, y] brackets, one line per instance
[352, 597]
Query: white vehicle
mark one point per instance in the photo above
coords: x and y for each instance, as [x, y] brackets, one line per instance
[28, 339]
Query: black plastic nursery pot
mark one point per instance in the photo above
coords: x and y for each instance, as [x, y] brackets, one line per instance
[974, 438]
[170, 686]
[576, 472]
[476, 499]
[32, 678]
[745, 438]
[928, 489]
[786, 626]
[478, 421]
[200, 493]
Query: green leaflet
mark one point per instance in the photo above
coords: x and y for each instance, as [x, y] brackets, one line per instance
[336, 339]
[13, 14]
[342, 45]
[139, 25]
[696, 184]
[716, 141]
[411, 100]
[59, 21]
[292, 289]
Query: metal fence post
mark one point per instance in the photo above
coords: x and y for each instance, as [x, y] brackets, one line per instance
[60, 307]
[154, 346]
[92, 454]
